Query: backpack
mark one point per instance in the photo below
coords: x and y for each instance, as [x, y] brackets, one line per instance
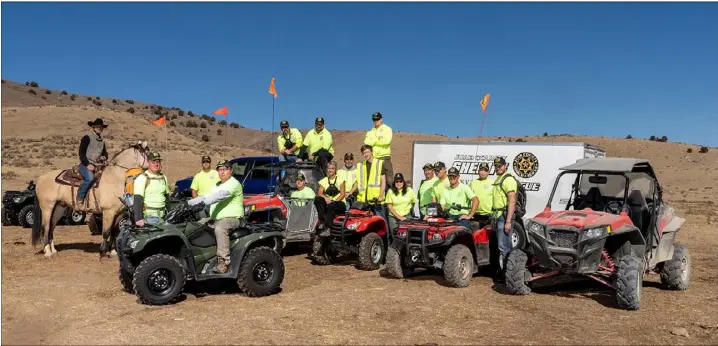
[130, 176]
[520, 208]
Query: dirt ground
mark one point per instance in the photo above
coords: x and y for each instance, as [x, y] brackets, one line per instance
[75, 298]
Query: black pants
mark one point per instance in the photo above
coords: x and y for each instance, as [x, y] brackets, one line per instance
[327, 212]
[482, 220]
[322, 157]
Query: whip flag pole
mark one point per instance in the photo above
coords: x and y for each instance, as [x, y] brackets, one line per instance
[484, 104]
[273, 91]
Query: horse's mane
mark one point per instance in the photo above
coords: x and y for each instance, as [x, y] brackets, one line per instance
[136, 147]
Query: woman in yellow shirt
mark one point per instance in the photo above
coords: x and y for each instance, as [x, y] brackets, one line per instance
[400, 201]
[330, 197]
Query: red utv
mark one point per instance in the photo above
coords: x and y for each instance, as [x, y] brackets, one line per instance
[439, 243]
[614, 229]
[298, 217]
[359, 232]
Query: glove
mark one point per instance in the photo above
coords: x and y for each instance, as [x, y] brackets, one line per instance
[198, 207]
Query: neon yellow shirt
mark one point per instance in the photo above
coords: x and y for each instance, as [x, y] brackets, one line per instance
[484, 189]
[294, 136]
[348, 176]
[203, 182]
[319, 140]
[426, 190]
[232, 206]
[402, 203]
[155, 195]
[439, 186]
[337, 181]
[380, 140]
[306, 192]
[460, 195]
[500, 200]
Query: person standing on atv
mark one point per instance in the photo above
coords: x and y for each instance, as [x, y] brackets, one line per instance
[458, 200]
[289, 142]
[330, 197]
[318, 145]
[348, 174]
[426, 189]
[379, 137]
[371, 181]
[483, 188]
[204, 181]
[442, 181]
[504, 204]
[92, 152]
[227, 209]
[399, 202]
[150, 192]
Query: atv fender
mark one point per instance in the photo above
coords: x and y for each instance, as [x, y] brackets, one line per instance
[242, 245]
[670, 224]
[466, 237]
[170, 243]
[624, 234]
[375, 224]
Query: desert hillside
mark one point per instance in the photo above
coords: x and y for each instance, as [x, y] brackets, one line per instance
[41, 130]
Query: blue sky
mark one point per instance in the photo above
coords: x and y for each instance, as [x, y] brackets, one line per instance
[606, 69]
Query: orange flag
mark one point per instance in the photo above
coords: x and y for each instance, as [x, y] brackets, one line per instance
[160, 121]
[485, 102]
[222, 111]
[272, 90]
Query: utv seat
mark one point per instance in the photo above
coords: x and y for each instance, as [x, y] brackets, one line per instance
[592, 200]
[640, 214]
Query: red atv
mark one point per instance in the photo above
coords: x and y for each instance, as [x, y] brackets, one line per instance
[438, 243]
[359, 232]
[614, 229]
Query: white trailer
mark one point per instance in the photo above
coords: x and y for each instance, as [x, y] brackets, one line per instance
[534, 164]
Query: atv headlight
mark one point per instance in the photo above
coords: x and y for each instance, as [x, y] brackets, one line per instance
[353, 226]
[401, 234]
[594, 232]
[133, 244]
[536, 228]
[436, 236]
[16, 199]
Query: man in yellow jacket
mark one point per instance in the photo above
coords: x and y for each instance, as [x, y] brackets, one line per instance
[318, 145]
[370, 181]
[289, 142]
[379, 137]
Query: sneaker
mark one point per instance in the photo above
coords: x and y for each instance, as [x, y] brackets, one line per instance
[221, 267]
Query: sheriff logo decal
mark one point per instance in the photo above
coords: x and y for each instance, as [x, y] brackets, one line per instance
[526, 165]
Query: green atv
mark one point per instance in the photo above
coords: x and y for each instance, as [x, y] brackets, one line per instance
[157, 260]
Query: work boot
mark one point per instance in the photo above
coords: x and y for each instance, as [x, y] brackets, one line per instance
[221, 267]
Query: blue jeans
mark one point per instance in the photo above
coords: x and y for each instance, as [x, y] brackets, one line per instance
[464, 223]
[291, 158]
[503, 239]
[87, 177]
[153, 220]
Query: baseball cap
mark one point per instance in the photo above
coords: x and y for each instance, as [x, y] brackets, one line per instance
[223, 163]
[206, 158]
[301, 177]
[376, 116]
[319, 120]
[453, 172]
[283, 123]
[399, 177]
[428, 166]
[499, 161]
[348, 156]
[439, 165]
[483, 166]
[154, 156]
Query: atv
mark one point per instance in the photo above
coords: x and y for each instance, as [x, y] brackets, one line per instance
[157, 260]
[608, 232]
[360, 232]
[439, 243]
[18, 209]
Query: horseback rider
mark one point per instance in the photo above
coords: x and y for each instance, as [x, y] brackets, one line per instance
[93, 152]
[150, 192]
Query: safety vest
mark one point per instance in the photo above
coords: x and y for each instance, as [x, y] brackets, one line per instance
[349, 176]
[369, 183]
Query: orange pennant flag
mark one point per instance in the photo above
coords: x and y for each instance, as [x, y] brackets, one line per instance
[272, 90]
[485, 102]
[160, 121]
[222, 111]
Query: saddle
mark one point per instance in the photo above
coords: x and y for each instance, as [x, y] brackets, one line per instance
[73, 178]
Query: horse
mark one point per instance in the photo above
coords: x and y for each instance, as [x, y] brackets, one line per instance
[57, 190]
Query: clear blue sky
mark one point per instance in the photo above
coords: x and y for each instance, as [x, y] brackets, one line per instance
[607, 69]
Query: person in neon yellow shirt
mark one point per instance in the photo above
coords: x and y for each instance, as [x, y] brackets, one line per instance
[426, 189]
[483, 188]
[289, 142]
[459, 195]
[399, 201]
[442, 181]
[504, 204]
[302, 191]
[318, 145]
[330, 197]
[204, 181]
[379, 137]
[151, 191]
[227, 209]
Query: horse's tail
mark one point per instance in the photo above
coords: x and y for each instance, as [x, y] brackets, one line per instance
[38, 232]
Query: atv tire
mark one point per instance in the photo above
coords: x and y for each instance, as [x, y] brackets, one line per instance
[459, 266]
[371, 252]
[394, 266]
[76, 218]
[26, 216]
[516, 273]
[676, 272]
[629, 282]
[126, 280]
[261, 272]
[158, 280]
[95, 225]
[7, 219]
[319, 251]
[517, 236]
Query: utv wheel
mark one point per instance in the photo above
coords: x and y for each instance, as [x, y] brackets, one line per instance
[261, 272]
[394, 265]
[371, 252]
[516, 272]
[629, 282]
[26, 216]
[7, 220]
[158, 280]
[95, 224]
[126, 280]
[77, 218]
[459, 266]
[319, 251]
[676, 272]
[517, 236]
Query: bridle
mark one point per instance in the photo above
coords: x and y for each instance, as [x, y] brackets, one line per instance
[139, 151]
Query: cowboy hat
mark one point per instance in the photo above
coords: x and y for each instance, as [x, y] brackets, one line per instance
[97, 122]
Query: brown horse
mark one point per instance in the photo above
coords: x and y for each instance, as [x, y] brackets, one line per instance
[57, 190]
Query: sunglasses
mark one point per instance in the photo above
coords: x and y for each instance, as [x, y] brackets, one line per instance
[285, 127]
[398, 181]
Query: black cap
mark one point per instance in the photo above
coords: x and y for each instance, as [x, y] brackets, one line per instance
[399, 177]
[283, 123]
[348, 156]
[499, 161]
[428, 166]
[483, 166]
[376, 116]
[223, 163]
[439, 165]
[453, 171]
[301, 177]
[206, 159]
[319, 120]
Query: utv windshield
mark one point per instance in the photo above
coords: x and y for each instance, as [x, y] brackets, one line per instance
[596, 191]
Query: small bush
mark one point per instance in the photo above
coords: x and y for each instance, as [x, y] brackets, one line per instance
[181, 123]
[223, 122]
[27, 83]
[190, 113]
[703, 150]
[97, 103]
[63, 92]
[34, 84]
[520, 140]
[32, 91]
[663, 139]
[44, 98]
[48, 92]
[130, 102]
[157, 112]
[652, 138]
[545, 134]
[234, 125]
[629, 137]
[114, 101]
[172, 124]
[131, 110]
[73, 97]
[205, 138]
[174, 116]
[689, 150]
[191, 123]
[203, 125]
[180, 112]
[89, 98]
[219, 132]
[97, 98]
[160, 108]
